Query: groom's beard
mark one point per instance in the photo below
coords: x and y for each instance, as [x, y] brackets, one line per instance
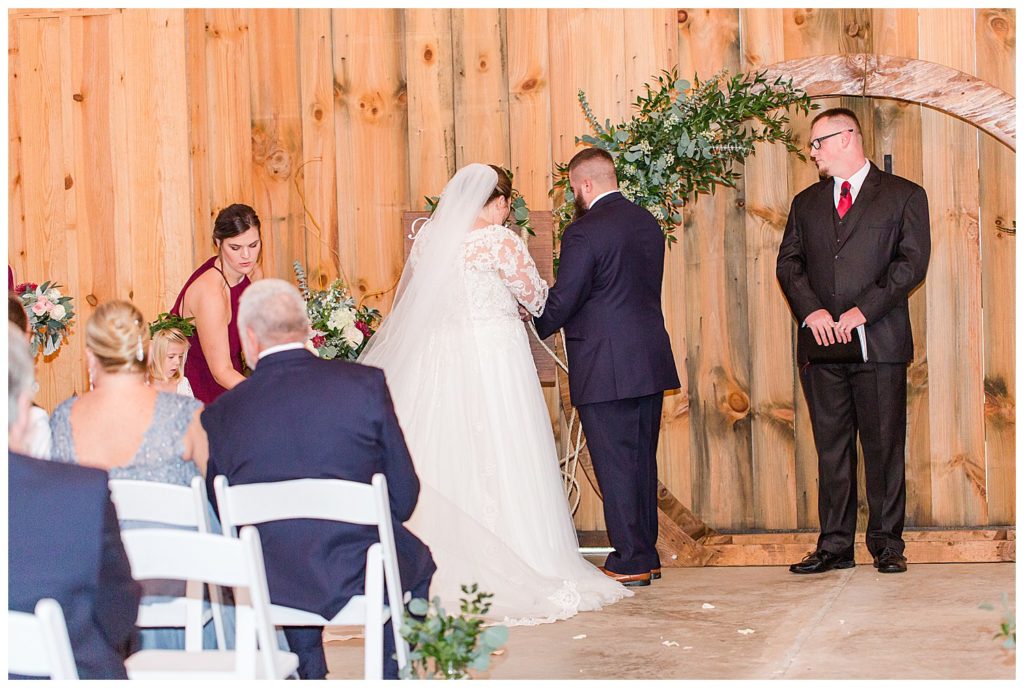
[581, 209]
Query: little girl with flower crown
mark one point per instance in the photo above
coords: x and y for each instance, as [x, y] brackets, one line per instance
[168, 349]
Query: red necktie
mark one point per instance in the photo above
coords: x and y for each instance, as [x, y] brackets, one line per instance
[845, 200]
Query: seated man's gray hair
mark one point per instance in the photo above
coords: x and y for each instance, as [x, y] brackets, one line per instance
[274, 310]
[20, 372]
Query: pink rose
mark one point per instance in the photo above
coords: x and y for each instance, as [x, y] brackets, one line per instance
[39, 307]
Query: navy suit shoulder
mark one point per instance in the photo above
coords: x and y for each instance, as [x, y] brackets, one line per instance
[64, 543]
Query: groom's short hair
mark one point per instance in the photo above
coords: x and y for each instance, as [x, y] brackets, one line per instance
[274, 310]
[594, 163]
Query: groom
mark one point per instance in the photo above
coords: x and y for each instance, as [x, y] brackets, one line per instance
[608, 299]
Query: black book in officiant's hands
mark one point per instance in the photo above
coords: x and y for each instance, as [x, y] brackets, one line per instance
[853, 351]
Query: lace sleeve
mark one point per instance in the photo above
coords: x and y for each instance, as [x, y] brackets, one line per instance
[519, 273]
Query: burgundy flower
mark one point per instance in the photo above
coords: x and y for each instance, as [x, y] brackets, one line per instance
[319, 340]
[364, 328]
[26, 286]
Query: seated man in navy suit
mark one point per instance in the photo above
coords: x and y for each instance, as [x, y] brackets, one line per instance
[64, 541]
[298, 416]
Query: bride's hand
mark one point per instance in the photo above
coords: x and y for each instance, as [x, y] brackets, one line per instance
[524, 314]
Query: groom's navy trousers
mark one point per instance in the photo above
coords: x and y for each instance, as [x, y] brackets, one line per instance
[622, 436]
[608, 299]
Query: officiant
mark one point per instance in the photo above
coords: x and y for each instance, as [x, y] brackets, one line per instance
[856, 244]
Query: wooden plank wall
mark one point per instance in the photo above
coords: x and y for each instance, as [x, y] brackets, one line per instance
[130, 129]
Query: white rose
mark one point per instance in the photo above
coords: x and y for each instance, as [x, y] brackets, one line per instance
[53, 293]
[353, 334]
[58, 312]
[341, 319]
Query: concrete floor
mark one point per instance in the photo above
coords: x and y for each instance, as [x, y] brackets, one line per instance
[852, 624]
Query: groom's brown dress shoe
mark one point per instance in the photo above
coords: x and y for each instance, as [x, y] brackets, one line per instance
[656, 573]
[630, 580]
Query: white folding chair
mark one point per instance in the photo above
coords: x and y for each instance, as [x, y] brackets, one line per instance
[38, 644]
[185, 507]
[236, 563]
[332, 500]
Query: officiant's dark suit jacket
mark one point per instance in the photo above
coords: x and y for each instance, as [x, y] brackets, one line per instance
[64, 543]
[298, 416]
[872, 258]
[608, 298]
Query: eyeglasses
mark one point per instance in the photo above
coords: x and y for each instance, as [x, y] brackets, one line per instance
[816, 143]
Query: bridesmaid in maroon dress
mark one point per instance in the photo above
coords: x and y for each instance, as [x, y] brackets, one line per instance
[214, 363]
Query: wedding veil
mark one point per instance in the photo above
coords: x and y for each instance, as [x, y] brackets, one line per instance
[426, 303]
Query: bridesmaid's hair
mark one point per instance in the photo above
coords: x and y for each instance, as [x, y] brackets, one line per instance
[118, 336]
[236, 219]
[503, 187]
[158, 351]
[16, 311]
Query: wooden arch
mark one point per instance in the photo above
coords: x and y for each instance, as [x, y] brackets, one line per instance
[885, 76]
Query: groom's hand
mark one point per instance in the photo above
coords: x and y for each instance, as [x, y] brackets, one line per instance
[524, 314]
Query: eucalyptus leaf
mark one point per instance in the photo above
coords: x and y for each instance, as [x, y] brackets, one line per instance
[495, 636]
[480, 663]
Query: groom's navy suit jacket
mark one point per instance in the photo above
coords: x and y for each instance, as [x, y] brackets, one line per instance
[608, 299]
[298, 416]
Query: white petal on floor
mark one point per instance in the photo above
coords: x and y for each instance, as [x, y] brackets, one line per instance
[581, 636]
[707, 606]
[745, 631]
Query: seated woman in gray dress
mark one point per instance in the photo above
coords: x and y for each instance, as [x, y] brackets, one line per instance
[132, 431]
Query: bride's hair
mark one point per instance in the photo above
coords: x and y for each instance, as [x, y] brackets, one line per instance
[503, 187]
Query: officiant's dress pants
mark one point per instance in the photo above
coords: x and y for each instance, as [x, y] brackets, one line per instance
[869, 398]
[622, 437]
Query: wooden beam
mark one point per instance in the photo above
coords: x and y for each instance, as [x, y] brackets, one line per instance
[917, 552]
[918, 81]
[785, 548]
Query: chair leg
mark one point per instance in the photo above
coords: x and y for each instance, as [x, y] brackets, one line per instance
[218, 619]
[373, 650]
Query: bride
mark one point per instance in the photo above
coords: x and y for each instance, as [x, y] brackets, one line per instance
[458, 363]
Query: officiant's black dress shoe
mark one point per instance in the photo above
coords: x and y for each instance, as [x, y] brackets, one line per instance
[890, 561]
[630, 580]
[656, 573]
[821, 561]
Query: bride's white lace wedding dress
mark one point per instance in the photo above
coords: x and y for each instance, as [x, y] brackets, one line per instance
[491, 509]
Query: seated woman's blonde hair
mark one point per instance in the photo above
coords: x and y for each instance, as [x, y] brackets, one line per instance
[118, 336]
[158, 352]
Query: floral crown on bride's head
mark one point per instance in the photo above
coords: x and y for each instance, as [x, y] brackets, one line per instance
[169, 321]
